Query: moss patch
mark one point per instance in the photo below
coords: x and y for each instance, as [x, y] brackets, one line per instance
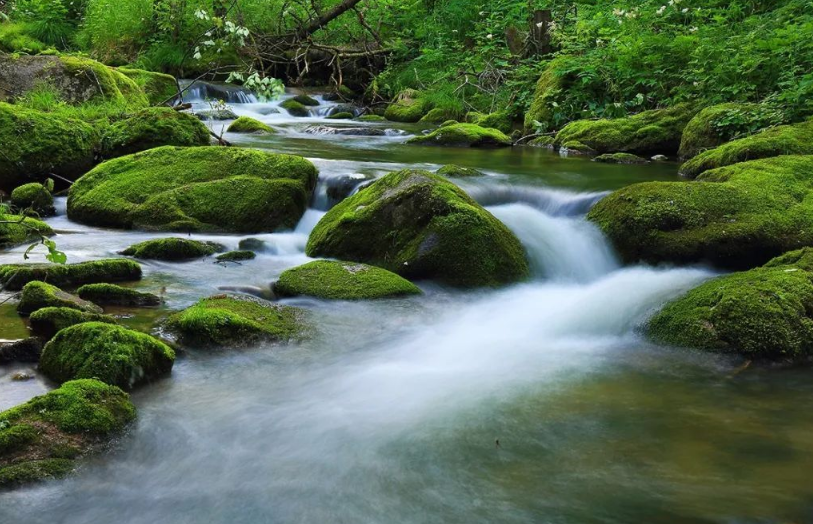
[620, 158]
[704, 132]
[159, 88]
[438, 116]
[33, 196]
[46, 322]
[342, 281]
[408, 107]
[245, 124]
[454, 171]
[341, 116]
[113, 295]
[371, 118]
[499, 120]
[15, 276]
[172, 249]
[20, 230]
[37, 295]
[305, 100]
[295, 108]
[154, 127]
[236, 256]
[463, 135]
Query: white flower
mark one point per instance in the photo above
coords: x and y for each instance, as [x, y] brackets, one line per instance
[489, 36]
[661, 9]
[685, 10]
[693, 29]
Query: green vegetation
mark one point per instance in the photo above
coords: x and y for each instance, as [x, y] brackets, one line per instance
[113, 295]
[226, 320]
[110, 353]
[620, 158]
[150, 128]
[342, 281]
[341, 116]
[306, 100]
[245, 124]
[159, 88]
[195, 189]
[453, 171]
[463, 135]
[720, 123]
[421, 226]
[172, 249]
[17, 229]
[15, 276]
[37, 295]
[46, 322]
[236, 256]
[295, 108]
[33, 196]
[408, 107]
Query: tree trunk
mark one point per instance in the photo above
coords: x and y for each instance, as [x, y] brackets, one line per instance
[328, 17]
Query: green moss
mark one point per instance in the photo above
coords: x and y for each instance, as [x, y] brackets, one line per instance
[342, 281]
[341, 116]
[574, 147]
[172, 249]
[783, 140]
[554, 80]
[19, 230]
[110, 353]
[736, 217]
[111, 294]
[46, 322]
[236, 256]
[153, 127]
[620, 158]
[465, 135]
[408, 107]
[33, 196]
[37, 144]
[499, 120]
[371, 118]
[438, 116]
[195, 189]
[14, 38]
[159, 88]
[649, 132]
[454, 171]
[765, 313]
[421, 226]
[226, 320]
[245, 124]
[295, 108]
[106, 84]
[15, 276]
[34, 471]
[704, 130]
[13, 438]
[305, 100]
[37, 295]
[547, 142]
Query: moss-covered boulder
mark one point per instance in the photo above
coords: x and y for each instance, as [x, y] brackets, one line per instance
[647, 133]
[160, 88]
[232, 320]
[195, 189]
[371, 118]
[37, 295]
[48, 321]
[407, 107]
[794, 139]
[295, 108]
[17, 229]
[340, 116]
[36, 145]
[463, 135]
[500, 120]
[544, 142]
[42, 438]
[558, 75]
[708, 128]
[33, 196]
[16, 38]
[15, 276]
[217, 114]
[237, 256]
[735, 217]
[246, 124]
[113, 295]
[26, 350]
[342, 281]
[113, 354]
[620, 158]
[153, 127]
[421, 226]
[438, 115]
[455, 171]
[172, 249]
[762, 313]
[306, 100]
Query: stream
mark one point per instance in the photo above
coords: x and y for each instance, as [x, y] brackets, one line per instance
[391, 411]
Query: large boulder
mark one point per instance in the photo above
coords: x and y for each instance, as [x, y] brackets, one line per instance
[408, 107]
[113, 295]
[547, 109]
[342, 281]
[48, 321]
[713, 126]
[463, 135]
[295, 108]
[17, 229]
[735, 217]
[160, 88]
[762, 313]
[42, 438]
[647, 133]
[172, 249]
[153, 127]
[37, 144]
[794, 139]
[234, 320]
[107, 352]
[195, 189]
[37, 295]
[33, 196]
[421, 226]
[15, 276]
[500, 120]
[246, 124]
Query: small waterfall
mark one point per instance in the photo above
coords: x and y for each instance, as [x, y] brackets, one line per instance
[203, 91]
[552, 201]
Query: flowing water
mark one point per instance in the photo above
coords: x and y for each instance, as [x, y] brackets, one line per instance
[392, 411]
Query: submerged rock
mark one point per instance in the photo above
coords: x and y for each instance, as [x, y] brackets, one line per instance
[33, 196]
[305, 100]
[347, 131]
[236, 256]
[150, 128]
[340, 187]
[216, 114]
[245, 124]
[421, 226]
[620, 158]
[465, 135]
[295, 108]
[15, 276]
[25, 351]
[454, 171]
[172, 249]
[252, 244]
[48, 321]
[233, 320]
[408, 107]
[17, 229]
[342, 281]
[113, 295]
[705, 131]
[37, 295]
[42, 438]
[195, 189]
[113, 354]
[340, 116]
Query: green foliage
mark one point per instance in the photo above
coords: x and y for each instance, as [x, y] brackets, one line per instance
[342, 281]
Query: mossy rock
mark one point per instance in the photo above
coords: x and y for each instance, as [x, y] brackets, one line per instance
[342, 281]
[113, 295]
[41, 439]
[195, 189]
[37, 295]
[153, 127]
[794, 139]
[455, 171]
[107, 352]
[48, 321]
[26, 350]
[160, 88]
[216, 114]
[15, 38]
[647, 133]
[37, 144]
[306, 100]
[245, 124]
[371, 118]
[463, 135]
[17, 229]
[341, 116]
[408, 107]
[558, 75]
[15, 276]
[546, 142]
[33, 196]
[237, 256]
[438, 116]
[448, 123]
[620, 158]
[252, 244]
[232, 320]
[295, 108]
[703, 132]
[576, 148]
[421, 226]
[766, 312]
[736, 217]
[172, 249]
[499, 120]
